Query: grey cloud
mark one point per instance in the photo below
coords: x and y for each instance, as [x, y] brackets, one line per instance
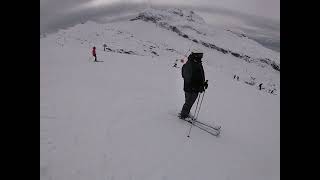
[66, 19]
[56, 17]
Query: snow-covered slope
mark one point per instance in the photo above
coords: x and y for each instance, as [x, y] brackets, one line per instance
[180, 30]
[116, 119]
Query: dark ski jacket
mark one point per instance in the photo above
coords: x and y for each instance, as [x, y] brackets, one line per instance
[193, 75]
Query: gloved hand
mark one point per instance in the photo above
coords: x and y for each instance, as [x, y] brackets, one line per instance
[205, 84]
[201, 89]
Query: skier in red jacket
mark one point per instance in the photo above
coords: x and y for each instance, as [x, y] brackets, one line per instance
[94, 53]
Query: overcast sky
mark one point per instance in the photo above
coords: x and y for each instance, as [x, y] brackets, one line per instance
[57, 12]
[266, 8]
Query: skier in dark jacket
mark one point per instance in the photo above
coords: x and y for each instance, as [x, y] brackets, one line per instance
[104, 47]
[194, 81]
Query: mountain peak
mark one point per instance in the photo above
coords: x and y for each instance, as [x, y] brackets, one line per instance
[172, 14]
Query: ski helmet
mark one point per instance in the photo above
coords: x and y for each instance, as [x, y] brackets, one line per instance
[196, 50]
[196, 54]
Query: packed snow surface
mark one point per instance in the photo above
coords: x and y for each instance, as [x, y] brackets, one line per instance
[117, 119]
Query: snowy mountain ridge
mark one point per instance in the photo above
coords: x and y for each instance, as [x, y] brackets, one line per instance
[191, 26]
[173, 15]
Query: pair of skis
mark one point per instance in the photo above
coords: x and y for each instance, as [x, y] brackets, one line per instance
[213, 130]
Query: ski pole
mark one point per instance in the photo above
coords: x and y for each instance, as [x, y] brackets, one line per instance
[185, 55]
[194, 115]
[190, 129]
[200, 105]
[195, 111]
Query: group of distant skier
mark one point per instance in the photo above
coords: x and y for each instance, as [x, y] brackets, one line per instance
[94, 54]
[271, 91]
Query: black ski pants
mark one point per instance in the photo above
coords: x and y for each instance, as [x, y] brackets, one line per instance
[190, 98]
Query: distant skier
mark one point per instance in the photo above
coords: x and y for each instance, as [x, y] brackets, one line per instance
[194, 81]
[104, 47]
[94, 53]
[234, 76]
[273, 90]
[260, 86]
[175, 63]
[237, 78]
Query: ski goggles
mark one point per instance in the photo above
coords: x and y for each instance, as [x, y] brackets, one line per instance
[198, 55]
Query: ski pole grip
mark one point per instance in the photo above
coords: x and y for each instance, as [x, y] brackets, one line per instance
[205, 84]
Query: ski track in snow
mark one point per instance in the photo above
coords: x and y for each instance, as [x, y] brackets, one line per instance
[116, 119]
